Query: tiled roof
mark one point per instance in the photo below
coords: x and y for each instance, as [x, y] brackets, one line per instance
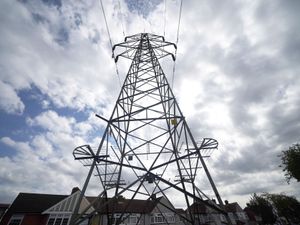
[125, 205]
[198, 207]
[202, 208]
[4, 206]
[34, 203]
[233, 207]
[180, 211]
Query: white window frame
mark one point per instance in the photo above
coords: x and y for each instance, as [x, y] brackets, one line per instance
[56, 217]
[242, 215]
[170, 217]
[16, 217]
[133, 219]
[116, 217]
[201, 218]
[158, 218]
[222, 217]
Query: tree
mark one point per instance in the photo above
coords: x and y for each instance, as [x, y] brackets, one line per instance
[290, 160]
[286, 206]
[262, 207]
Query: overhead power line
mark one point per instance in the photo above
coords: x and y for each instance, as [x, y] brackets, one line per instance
[177, 39]
[110, 40]
[121, 13]
[165, 12]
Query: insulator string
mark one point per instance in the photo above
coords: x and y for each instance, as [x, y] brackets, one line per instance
[177, 39]
[110, 40]
[121, 13]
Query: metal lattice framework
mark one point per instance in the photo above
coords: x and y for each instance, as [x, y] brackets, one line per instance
[147, 148]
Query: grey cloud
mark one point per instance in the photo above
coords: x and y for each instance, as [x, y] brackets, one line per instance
[143, 7]
[56, 3]
[62, 36]
[38, 18]
[285, 123]
[235, 69]
[77, 19]
[261, 73]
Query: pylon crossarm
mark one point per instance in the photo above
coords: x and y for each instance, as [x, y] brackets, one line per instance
[156, 44]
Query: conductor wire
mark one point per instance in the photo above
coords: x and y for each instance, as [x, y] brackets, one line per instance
[177, 39]
[110, 41]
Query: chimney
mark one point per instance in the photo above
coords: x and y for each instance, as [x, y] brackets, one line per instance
[226, 202]
[75, 189]
[153, 196]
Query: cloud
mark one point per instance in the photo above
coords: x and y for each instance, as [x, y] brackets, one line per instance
[45, 159]
[54, 50]
[236, 80]
[50, 120]
[10, 102]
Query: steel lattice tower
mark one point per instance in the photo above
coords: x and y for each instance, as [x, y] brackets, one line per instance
[147, 148]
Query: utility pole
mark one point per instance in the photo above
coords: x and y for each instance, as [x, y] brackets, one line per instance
[147, 148]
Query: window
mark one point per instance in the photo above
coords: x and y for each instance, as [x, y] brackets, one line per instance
[162, 218]
[85, 222]
[116, 217]
[133, 219]
[51, 221]
[65, 221]
[157, 218]
[222, 217]
[241, 216]
[203, 218]
[16, 220]
[170, 217]
[58, 219]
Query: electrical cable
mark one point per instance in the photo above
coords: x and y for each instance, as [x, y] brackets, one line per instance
[177, 39]
[110, 41]
[165, 20]
[121, 13]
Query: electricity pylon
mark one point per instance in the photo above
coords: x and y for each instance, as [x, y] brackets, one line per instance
[147, 148]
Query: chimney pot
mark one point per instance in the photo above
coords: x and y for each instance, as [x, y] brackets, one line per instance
[75, 189]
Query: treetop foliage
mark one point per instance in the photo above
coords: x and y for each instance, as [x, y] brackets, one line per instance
[290, 160]
[274, 208]
[262, 207]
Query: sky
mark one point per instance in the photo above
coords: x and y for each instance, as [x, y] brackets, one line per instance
[236, 80]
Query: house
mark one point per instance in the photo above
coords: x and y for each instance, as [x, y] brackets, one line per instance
[46, 209]
[236, 213]
[3, 208]
[135, 211]
[204, 214]
[253, 219]
[27, 208]
[42, 209]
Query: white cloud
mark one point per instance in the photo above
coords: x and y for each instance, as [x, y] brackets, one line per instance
[44, 162]
[50, 120]
[10, 102]
[236, 80]
[42, 146]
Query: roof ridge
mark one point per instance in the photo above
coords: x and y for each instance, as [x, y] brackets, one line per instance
[28, 193]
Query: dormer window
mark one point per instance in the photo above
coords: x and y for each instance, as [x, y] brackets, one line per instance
[58, 219]
[16, 220]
